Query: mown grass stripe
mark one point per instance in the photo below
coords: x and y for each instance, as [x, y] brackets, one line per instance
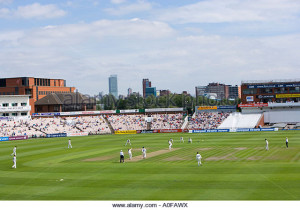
[43, 162]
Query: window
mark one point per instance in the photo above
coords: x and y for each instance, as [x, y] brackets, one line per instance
[266, 90]
[24, 114]
[266, 100]
[25, 81]
[14, 114]
[250, 91]
[23, 104]
[28, 91]
[5, 114]
[294, 89]
[5, 105]
[56, 108]
[281, 90]
[14, 104]
[2, 82]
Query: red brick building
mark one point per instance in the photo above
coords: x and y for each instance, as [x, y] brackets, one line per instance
[36, 88]
[65, 102]
[279, 91]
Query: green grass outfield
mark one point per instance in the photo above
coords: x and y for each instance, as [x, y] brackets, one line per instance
[235, 167]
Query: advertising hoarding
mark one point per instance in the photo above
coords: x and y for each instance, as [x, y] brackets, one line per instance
[253, 105]
[18, 138]
[126, 132]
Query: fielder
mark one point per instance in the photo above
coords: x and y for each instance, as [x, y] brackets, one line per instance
[130, 153]
[14, 162]
[14, 151]
[181, 140]
[128, 142]
[286, 142]
[198, 158]
[170, 145]
[190, 140]
[144, 152]
[69, 145]
[267, 145]
[121, 157]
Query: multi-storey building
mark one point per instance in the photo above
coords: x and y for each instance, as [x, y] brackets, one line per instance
[35, 88]
[14, 106]
[279, 91]
[234, 92]
[164, 92]
[146, 84]
[129, 92]
[200, 90]
[150, 91]
[113, 85]
[219, 91]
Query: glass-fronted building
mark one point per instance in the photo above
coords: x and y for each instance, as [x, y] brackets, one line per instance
[113, 85]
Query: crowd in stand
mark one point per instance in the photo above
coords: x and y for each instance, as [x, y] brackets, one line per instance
[54, 125]
[210, 120]
[18, 128]
[167, 121]
[90, 124]
[139, 122]
[41, 126]
[127, 122]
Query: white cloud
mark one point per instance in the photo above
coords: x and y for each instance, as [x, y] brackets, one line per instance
[80, 52]
[11, 37]
[97, 31]
[4, 12]
[35, 10]
[39, 11]
[117, 1]
[6, 1]
[86, 54]
[216, 11]
[139, 6]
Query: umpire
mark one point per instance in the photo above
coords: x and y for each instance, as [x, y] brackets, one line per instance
[121, 157]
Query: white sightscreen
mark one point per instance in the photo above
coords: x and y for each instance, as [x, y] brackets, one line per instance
[282, 116]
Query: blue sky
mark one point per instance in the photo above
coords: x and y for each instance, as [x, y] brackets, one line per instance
[176, 44]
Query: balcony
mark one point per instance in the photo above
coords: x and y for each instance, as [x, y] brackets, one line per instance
[15, 109]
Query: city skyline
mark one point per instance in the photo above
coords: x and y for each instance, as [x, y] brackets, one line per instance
[178, 44]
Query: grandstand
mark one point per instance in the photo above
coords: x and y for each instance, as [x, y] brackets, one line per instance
[272, 115]
[207, 120]
[42, 125]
